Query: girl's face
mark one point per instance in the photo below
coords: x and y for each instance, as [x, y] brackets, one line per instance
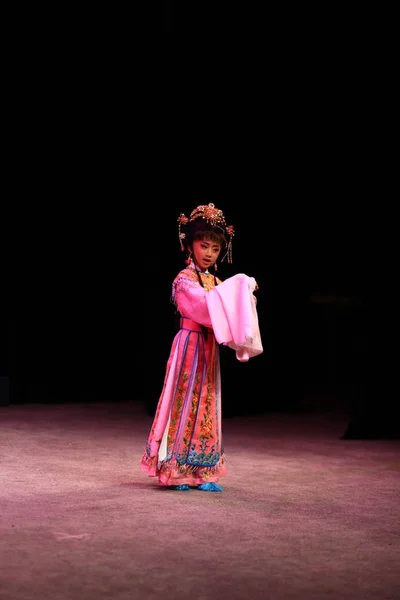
[205, 253]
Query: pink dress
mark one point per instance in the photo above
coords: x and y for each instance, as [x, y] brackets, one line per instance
[185, 444]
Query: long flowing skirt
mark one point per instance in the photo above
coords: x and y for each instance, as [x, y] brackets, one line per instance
[185, 441]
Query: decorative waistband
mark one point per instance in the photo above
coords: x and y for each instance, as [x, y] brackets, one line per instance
[193, 326]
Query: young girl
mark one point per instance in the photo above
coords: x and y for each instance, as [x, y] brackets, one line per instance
[185, 448]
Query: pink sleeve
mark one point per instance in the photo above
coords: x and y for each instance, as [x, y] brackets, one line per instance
[233, 313]
[191, 302]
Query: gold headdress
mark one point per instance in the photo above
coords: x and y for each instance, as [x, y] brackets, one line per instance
[215, 218]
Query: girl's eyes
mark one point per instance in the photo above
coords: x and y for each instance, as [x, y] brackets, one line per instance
[215, 249]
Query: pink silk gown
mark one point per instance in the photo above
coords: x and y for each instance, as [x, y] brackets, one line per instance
[185, 444]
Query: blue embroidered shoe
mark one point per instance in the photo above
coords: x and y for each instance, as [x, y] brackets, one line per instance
[184, 487]
[210, 487]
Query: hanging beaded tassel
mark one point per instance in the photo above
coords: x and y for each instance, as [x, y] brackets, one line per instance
[182, 220]
[228, 254]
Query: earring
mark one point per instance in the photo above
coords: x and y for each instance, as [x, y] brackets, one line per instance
[189, 257]
[215, 267]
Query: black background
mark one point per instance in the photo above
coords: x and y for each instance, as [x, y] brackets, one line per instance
[264, 115]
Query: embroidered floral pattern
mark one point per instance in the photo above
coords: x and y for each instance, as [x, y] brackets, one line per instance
[176, 411]
[207, 422]
[189, 278]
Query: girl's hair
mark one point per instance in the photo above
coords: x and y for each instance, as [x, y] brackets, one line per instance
[200, 229]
